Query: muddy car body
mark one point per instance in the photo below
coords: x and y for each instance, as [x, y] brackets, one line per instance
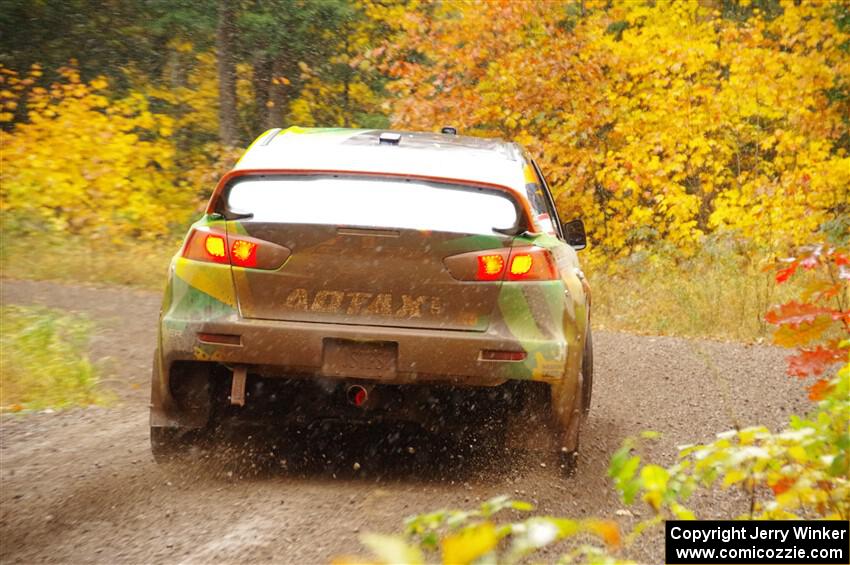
[365, 275]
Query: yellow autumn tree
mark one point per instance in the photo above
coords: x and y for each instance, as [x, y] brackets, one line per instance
[87, 163]
[662, 120]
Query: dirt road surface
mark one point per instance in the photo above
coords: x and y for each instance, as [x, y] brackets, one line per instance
[81, 486]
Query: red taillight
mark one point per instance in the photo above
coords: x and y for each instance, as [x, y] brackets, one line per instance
[528, 263]
[243, 253]
[212, 246]
[490, 267]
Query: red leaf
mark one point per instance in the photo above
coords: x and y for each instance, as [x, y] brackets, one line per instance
[781, 485]
[814, 361]
[793, 314]
[785, 274]
[818, 390]
[841, 259]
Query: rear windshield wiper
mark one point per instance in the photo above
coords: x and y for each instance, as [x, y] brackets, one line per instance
[231, 214]
[517, 229]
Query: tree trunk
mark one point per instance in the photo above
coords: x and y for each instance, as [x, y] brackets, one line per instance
[262, 82]
[227, 124]
[277, 97]
[346, 93]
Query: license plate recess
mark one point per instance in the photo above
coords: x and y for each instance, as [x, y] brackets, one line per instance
[359, 359]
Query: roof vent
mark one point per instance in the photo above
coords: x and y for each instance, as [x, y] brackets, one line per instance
[389, 138]
[449, 130]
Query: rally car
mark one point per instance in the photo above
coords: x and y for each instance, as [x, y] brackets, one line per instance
[365, 275]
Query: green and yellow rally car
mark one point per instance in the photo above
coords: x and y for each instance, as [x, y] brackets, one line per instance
[366, 275]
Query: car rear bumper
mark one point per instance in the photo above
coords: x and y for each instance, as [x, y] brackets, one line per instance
[279, 348]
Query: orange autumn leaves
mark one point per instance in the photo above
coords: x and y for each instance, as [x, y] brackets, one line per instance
[816, 324]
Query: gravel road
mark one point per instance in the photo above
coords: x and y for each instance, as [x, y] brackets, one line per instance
[80, 486]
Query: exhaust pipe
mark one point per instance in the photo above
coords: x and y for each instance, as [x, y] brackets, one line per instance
[357, 395]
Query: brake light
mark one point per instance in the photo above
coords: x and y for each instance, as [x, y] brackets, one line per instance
[490, 267]
[244, 253]
[206, 245]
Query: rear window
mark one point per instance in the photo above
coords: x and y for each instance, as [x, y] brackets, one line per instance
[381, 203]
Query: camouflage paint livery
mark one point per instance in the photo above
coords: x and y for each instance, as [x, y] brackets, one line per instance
[333, 286]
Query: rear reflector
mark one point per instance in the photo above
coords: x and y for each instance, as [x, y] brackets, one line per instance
[495, 355]
[224, 339]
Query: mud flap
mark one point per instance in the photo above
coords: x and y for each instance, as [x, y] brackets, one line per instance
[567, 415]
[531, 428]
[237, 387]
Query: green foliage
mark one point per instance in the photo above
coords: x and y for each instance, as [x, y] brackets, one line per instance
[467, 536]
[105, 37]
[44, 360]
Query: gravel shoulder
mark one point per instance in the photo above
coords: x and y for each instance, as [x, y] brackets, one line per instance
[80, 486]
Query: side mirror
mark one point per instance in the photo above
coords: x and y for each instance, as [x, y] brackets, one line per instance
[574, 234]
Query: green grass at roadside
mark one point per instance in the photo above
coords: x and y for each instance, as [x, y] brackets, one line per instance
[77, 259]
[44, 360]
